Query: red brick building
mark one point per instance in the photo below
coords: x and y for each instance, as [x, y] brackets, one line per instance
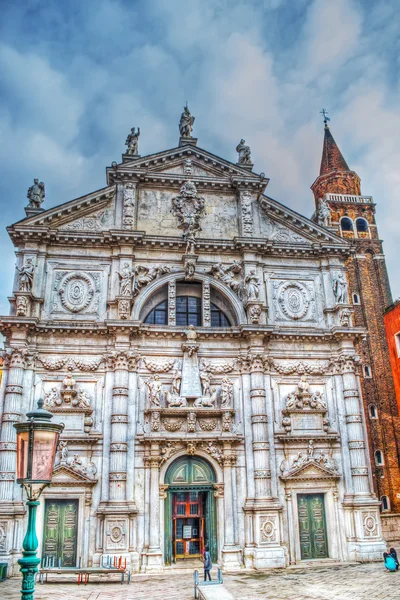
[392, 324]
[341, 207]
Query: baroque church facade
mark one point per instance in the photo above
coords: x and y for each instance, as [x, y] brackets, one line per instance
[202, 346]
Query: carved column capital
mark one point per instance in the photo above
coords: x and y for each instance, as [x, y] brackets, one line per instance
[122, 360]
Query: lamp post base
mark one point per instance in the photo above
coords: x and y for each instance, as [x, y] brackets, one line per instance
[29, 562]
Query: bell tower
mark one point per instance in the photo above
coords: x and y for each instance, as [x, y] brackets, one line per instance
[341, 207]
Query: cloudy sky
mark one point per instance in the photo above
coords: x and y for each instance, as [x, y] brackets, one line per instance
[77, 75]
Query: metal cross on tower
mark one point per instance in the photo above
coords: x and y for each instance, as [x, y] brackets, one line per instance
[325, 114]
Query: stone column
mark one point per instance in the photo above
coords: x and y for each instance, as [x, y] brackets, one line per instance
[259, 420]
[154, 555]
[231, 553]
[119, 428]
[355, 430]
[15, 360]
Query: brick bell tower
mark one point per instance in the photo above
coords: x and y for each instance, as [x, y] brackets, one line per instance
[341, 207]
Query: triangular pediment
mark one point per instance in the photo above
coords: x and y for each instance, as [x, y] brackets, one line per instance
[64, 475]
[92, 213]
[173, 163]
[311, 470]
[282, 225]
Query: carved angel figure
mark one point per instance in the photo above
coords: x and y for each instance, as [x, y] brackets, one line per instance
[132, 141]
[155, 390]
[317, 400]
[26, 276]
[126, 276]
[52, 398]
[62, 452]
[244, 153]
[145, 275]
[252, 284]
[231, 275]
[339, 286]
[186, 123]
[84, 399]
[36, 194]
[324, 212]
[226, 393]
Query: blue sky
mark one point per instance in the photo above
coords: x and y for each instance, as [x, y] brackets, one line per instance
[77, 75]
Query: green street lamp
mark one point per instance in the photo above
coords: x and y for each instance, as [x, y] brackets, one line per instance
[37, 441]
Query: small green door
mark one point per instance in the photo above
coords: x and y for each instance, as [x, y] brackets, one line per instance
[312, 524]
[60, 532]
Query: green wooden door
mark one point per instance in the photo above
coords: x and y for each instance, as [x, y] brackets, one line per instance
[312, 524]
[60, 531]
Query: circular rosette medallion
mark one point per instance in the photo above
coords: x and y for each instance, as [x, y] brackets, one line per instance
[293, 300]
[76, 291]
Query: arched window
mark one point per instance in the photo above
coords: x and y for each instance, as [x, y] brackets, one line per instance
[373, 411]
[346, 224]
[367, 371]
[361, 225]
[159, 314]
[218, 318]
[356, 299]
[385, 503]
[379, 457]
[188, 311]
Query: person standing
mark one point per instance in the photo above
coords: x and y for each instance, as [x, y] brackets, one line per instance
[207, 563]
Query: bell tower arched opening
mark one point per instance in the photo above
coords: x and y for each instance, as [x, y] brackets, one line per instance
[190, 511]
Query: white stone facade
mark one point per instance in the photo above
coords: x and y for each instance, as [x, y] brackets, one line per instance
[281, 415]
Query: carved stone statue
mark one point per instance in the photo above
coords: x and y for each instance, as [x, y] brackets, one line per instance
[226, 393]
[84, 399]
[132, 141]
[344, 317]
[155, 390]
[317, 400]
[339, 286]
[191, 333]
[144, 275]
[303, 387]
[190, 269]
[26, 276]
[126, 276]
[190, 243]
[231, 275]
[324, 212]
[52, 398]
[174, 400]
[244, 153]
[207, 401]
[176, 382]
[252, 285]
[186, 123]
[62, 453]
[36, 194]
[69, 382]
[205, 382]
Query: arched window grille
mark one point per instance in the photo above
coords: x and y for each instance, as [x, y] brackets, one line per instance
[379, 457]
[188, 312]
[346, 224]
[362, 225]
[373, 411]
[385, 503]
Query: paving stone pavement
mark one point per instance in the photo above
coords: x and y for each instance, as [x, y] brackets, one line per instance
[344, 582]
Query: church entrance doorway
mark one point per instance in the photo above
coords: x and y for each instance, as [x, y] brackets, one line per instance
[190, 513]
[312, 525]
[60, 532]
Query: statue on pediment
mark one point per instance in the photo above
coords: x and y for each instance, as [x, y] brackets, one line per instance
[36, 194]
[186, 123]
[132, 141]
[244, 153]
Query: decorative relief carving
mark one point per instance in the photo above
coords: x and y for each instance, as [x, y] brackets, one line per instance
[292, 299]
[116, 534]
[305, 410]
[306, 458]
[126, 277]
[187, 166]
[189, 208]
[254, 312]
[370, 524]
[218, 368]
[144, 275]
[268, 529]
[75, 463]
[160, 367]
[155, 390]
[76, 290]
[124, 308]
[97, 222]
[275, 231]
[247, 213]
[129, 192]
[345, 317]
[345, 363]
[3, 536]
[206, 304]
[172, 303]
[173, 424]
[226, 393]
[22, 305]
[252, 286]
[231, 275]
[55, 364]
[17, 358]
[300, 367]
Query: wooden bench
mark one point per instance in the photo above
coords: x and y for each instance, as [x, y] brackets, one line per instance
[84, 573]
[211, 590]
